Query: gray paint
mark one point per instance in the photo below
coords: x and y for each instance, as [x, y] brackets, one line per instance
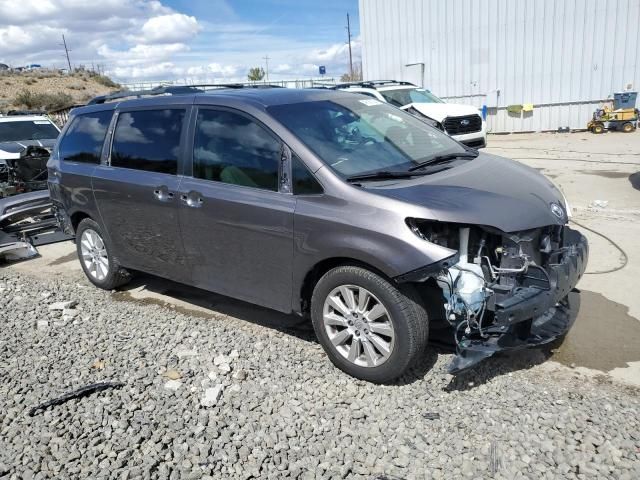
[258, 245]
[564, 56]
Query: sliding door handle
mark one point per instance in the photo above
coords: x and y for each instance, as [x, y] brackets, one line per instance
[162, 194]
[192, 199]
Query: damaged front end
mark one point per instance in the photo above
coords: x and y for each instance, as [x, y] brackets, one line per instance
[505, 291]
[27, 216]
[28, 220]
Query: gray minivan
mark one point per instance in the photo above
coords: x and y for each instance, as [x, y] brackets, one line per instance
[328, 204]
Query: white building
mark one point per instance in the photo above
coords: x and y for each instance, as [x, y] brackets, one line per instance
[563, 57]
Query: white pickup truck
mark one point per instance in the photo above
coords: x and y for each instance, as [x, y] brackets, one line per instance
[462, 122]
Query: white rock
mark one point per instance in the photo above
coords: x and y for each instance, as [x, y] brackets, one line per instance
[219, 360]
[173, 385]
[240, 375]
[63, 305]
[211, 396]
[69, 313]
[234, 354]
[212, 376]
[224, 368]
[42, 324]
[186, 352]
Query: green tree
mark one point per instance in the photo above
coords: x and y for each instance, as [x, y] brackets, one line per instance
[256, 74]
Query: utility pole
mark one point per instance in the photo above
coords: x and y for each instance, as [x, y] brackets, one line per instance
[266, 59]
[349, 40]
[66, 51]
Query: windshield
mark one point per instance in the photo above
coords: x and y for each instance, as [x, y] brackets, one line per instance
[405, 96]
[355, 136]
[27, 130]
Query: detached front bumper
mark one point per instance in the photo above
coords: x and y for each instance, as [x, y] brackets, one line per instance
[531, 315]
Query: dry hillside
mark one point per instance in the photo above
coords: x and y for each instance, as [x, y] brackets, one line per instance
[50, 90]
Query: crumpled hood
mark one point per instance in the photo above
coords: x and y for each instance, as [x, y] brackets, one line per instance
[440, 111]
[10, 150]
[488, 190]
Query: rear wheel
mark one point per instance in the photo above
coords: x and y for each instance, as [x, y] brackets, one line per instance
[96, 259]
[369, 328]
[628, 127]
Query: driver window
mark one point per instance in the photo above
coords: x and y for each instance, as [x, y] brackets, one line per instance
[232, 148]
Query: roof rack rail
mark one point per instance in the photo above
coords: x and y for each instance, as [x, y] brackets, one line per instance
[172, 90]
[371, 83]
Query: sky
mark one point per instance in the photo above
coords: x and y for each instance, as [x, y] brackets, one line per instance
[187, 40]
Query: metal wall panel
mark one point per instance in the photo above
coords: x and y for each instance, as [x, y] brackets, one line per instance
[564, 56]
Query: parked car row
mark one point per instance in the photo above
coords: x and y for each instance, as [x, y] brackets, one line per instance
[342, 208]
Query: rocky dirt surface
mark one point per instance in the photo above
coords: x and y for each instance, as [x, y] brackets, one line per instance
[212, 396]
[79, 86]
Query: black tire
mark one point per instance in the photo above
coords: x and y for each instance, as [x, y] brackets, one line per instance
[406, 313]
[628, 127]
[598, 128]
[116, 275]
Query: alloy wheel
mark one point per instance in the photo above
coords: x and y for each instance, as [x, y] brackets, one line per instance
[358, 325]
[94, 254]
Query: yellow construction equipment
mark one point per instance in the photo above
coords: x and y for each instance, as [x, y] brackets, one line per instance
[622, 116]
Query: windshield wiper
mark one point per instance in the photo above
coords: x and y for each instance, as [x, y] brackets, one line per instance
[383, 175]
[443, 158]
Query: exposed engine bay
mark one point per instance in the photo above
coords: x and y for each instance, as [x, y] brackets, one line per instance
[506, 290]
[27, 173]
[27, 216]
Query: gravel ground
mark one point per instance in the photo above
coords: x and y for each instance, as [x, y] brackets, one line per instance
[218, 397]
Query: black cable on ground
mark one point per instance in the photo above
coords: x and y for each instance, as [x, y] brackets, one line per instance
[79, 393]
[618, 247]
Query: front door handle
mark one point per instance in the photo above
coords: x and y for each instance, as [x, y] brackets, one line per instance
[192, 199]
[163, 194]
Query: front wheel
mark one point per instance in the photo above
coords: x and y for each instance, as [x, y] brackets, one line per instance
[369, 328]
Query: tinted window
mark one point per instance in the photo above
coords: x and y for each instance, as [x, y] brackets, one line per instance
[232, 148]
[148, 140]
[85, 136]
[360, 135]
[304, 183]
[27, 130]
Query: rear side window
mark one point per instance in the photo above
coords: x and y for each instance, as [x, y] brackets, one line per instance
[232, 148]
[84, 137]
[148, 140]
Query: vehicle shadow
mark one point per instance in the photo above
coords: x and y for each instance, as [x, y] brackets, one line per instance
[149, 289]
[499, 365]
[506, 362]
[145, 288]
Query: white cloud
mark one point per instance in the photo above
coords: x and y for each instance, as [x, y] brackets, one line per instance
[17, 39]
[173, 28]
[146, 39]
[282, 68]
[142, 53]
[338, 53]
